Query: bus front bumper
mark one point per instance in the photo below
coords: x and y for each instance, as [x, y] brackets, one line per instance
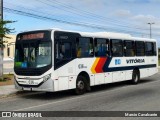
[47, 86]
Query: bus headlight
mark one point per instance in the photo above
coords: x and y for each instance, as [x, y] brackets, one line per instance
[47, 77]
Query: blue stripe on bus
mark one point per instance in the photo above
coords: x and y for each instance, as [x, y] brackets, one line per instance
[130, 67]
[112, 69]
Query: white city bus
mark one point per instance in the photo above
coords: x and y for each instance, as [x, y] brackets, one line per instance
[55, 60]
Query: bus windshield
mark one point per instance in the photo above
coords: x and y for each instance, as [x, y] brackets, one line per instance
[32, 54]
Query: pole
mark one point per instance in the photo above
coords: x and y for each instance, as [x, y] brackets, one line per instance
[1, 40]
[151, 29]
[2, 9]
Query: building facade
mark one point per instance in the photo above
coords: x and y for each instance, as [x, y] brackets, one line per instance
[9, 45]
[8, 61]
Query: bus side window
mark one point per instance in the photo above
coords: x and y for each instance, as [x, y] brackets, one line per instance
[67, 48]
[154, 49]
[84, 47]
[56, 50]
[129, 49]
[78, 49]
[140, 48]
[101, 47]
[149, 49]
[63, 50]
[116, 48]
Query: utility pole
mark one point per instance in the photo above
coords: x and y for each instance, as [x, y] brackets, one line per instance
[151, 29]
[1, 42]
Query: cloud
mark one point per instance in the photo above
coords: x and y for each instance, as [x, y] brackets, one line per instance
[25, 3]
[93, 6]
[137, 1]
[131, 13]
[145, 18]
[154, 1]
[141, 1]
[122, 13]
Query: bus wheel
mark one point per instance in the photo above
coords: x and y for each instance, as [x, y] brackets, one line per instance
[135, 77]
[81, 85]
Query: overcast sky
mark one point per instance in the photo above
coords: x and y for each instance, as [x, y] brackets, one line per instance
[126, 16]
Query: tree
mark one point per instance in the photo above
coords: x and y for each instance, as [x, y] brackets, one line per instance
[5, 30]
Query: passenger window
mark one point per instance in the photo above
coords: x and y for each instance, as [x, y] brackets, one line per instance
[140, 50]
[101, 47]
[84, 47]
[63, 50]
[149, 48]
[129, 48]
[116, 48]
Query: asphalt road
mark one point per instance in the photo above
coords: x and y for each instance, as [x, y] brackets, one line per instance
[112, 97]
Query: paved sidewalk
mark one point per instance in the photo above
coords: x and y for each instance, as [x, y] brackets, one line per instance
[8, 66]
[7, 90]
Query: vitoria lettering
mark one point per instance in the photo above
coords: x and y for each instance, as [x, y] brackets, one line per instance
[135, 61]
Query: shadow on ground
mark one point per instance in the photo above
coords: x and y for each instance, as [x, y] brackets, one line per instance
[70, 93]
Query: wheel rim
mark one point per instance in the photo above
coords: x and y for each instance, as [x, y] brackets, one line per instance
[80, 85]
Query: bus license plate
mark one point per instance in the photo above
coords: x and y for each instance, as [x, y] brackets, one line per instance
[31, 82]
[28, 89]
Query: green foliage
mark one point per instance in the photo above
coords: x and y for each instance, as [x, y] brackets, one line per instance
[5, 30]
[6, 77]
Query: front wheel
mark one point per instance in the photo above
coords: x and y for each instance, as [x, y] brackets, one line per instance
[81, 85]
[135, 77]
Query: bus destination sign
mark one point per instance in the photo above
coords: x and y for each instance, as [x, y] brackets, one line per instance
[32, 36]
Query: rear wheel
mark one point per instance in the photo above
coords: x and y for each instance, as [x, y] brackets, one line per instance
[135, 77]
[81, 85]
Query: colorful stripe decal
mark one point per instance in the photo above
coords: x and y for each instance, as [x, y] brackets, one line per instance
[98, 65]
[101, 65]
[94, 65]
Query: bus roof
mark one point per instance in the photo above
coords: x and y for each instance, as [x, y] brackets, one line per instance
[110, 35]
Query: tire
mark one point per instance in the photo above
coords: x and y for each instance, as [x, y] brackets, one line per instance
[81, 85]
[135, 77]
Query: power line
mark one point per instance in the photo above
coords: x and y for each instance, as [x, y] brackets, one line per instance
[89, 15]
[51, 15]
[48, 18]
[86, 14]
[77, 23]
[83, 11]
[96, 16]
[63, 21]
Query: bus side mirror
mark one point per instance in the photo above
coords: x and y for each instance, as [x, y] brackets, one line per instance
[8, 51]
